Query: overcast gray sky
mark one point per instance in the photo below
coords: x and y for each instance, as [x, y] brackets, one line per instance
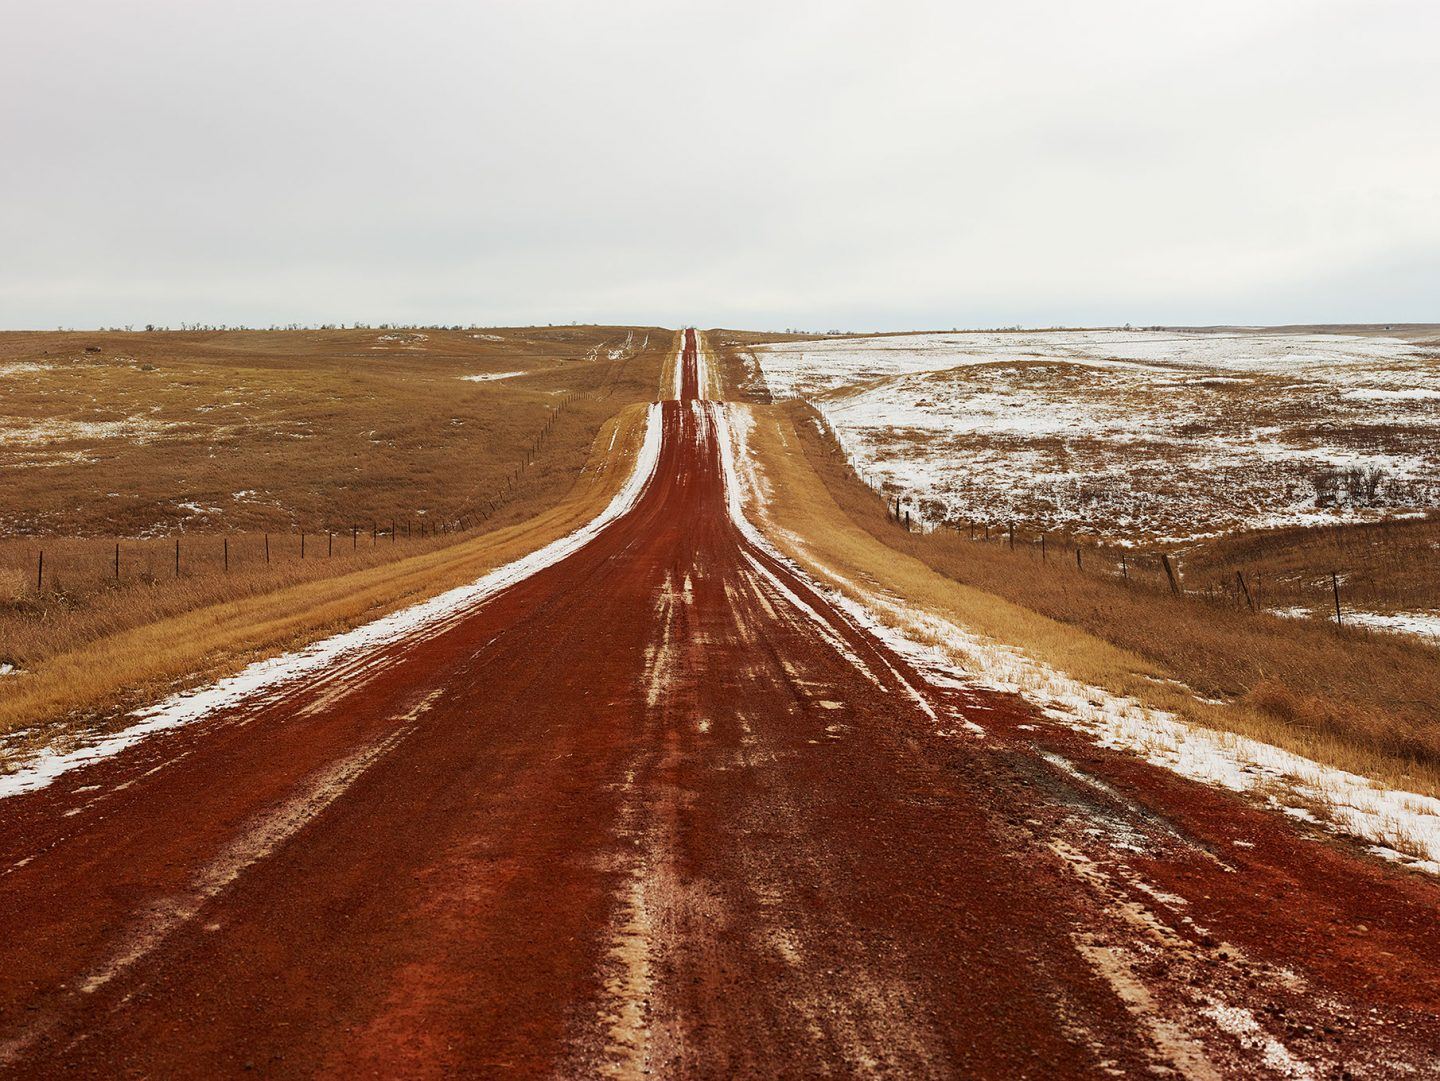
[759, 164]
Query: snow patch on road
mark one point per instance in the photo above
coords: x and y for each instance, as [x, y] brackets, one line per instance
[702, 369]
[267, 833]
[267, 680]
[679, 368]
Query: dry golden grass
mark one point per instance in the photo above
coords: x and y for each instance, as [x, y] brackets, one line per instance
[1383, 566]
[82, 601]
[250, 430]
[1352, 699]
[139, 659]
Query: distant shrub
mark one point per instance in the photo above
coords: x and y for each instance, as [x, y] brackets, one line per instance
[1357, 486]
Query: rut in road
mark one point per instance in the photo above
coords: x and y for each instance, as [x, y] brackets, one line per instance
[659, 807]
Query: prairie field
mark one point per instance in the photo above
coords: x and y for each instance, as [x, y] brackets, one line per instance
[1131, 436]
[1273, 467]
[145, 434]
[149, 476]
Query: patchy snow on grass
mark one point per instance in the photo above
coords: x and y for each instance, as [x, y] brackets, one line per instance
[1378, 394]
[1398, 825]
[1131, 435]
[23, 432]
[24, 367]
[1422, 625]
[1418, 624]
[267, 680]
[490, 377]
[193, 508]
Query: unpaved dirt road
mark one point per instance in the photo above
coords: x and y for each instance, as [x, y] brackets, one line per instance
[661, 809]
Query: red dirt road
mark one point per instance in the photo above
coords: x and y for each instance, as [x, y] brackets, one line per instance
[661, 809]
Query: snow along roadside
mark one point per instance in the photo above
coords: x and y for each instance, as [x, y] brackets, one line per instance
[702, 369]
[267, 679]
[678, 368]
[1397, 825]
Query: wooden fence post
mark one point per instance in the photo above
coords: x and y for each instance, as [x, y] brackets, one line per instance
[1170, 573]
[329, 544]
[40, 573]
[354, 536]
[1240, 578]
[117, 561]
[1124, 570]
[227, 555]
[1078, 565]
[267, 549]
[177, 557]
[1044, 558]
[302, 544]
[1335, 585]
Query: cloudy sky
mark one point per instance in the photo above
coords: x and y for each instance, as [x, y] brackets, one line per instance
[758, 164]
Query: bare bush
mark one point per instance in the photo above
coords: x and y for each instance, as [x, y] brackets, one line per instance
[1327, 484]
[1358, 486]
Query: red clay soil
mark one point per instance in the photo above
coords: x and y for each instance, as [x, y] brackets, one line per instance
[661, 809]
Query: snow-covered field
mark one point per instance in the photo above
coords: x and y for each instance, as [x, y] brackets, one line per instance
[1130, 435]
